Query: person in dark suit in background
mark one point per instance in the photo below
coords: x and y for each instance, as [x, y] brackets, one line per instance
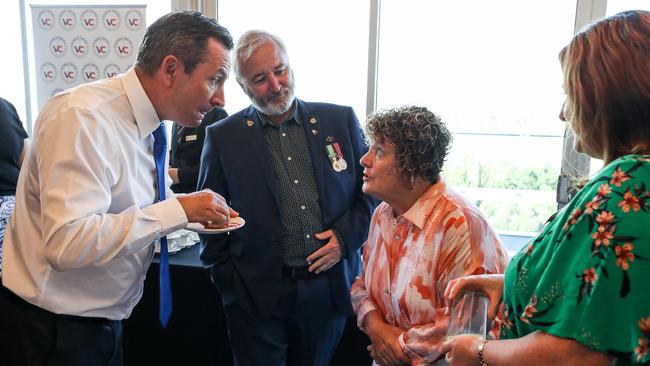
[13, 148]
[185, 154]
[291, 169]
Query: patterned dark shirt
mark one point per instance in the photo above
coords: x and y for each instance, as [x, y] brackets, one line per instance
[297, 188]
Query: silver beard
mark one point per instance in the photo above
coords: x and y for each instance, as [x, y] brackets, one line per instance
[275, 108]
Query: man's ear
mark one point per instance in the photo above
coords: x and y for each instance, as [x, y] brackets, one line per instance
[170, 67]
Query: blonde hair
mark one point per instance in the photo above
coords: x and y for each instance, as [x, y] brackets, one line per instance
[249, 42]
[607, 80]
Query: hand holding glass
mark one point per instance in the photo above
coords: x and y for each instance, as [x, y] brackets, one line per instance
[468, 315]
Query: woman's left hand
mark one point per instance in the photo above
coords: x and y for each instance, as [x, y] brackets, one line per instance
[385, 348]
[461, 350]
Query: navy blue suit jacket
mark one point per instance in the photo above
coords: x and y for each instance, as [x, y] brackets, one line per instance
[246, 265]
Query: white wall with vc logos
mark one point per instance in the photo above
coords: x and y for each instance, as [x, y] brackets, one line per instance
[87, 55]
[73, 45]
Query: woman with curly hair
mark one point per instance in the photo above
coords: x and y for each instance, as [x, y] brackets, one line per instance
[423, 235]
[578, 294]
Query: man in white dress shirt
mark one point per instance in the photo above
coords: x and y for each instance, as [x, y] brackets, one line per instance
[81, 239]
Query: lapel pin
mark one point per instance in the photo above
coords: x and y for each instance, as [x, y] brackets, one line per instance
[314, 132]
[312, 120]
[329, 138]
[250, 123]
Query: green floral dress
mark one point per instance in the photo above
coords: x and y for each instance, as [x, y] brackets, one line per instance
[587, 275]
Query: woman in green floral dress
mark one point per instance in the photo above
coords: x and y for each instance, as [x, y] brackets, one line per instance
[579, 294]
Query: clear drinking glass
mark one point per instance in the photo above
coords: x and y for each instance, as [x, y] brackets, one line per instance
[468, 315]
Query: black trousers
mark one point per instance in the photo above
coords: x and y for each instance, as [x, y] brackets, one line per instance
[303, 330]
[32, 336]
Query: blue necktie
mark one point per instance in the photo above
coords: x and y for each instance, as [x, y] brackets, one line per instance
[159, 150]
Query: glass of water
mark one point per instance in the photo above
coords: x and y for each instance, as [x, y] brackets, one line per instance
[468, 315]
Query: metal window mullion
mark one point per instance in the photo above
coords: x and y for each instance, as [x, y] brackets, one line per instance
[207, 7]
[575, 164]
[26, 68]
[373, 56]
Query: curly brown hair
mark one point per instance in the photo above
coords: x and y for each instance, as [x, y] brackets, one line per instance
[421, 139]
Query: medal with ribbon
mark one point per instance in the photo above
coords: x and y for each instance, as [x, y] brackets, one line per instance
[335, 155]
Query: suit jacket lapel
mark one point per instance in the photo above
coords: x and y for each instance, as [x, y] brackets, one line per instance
[257, 145]
[311, 123]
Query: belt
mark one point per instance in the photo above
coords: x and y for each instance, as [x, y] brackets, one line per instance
[19, 301]
[298, 273]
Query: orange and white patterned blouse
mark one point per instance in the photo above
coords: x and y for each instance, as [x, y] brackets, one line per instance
[409, 260]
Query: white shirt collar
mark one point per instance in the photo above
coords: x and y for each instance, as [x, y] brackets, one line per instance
[145, 114]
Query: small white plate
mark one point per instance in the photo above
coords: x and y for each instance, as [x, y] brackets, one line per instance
[233, 224]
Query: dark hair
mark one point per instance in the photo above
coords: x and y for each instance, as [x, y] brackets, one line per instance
[183, 34]
[607, 80]
[420, 137]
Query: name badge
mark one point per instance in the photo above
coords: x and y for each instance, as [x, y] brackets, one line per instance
[190, 138]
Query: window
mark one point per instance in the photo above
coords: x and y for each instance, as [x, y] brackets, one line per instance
[11, 71]
[328, 47]
[617, 6]
[491, 71]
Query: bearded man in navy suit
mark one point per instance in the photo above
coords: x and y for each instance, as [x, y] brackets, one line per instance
[291, 169]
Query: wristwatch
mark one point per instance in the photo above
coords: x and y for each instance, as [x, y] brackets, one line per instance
[481, 347]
